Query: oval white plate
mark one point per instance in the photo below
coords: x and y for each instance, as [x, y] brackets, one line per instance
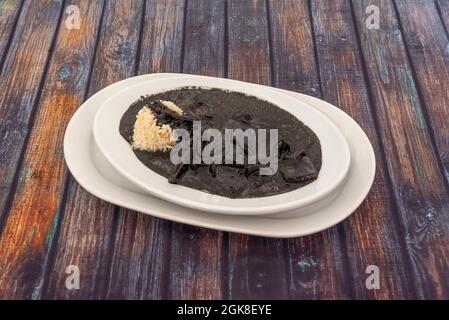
[79, 147]
[335, 151]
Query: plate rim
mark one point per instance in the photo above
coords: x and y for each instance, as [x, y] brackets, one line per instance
[140, 175]
[278, 228]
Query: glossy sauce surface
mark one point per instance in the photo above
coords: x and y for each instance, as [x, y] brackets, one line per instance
[299, 150]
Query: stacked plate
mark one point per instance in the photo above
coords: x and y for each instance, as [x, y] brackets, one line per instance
[105, 165]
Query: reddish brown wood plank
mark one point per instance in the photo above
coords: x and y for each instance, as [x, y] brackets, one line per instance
[315, 263]
[9, 13]
[196, 264]
[443, 10]
[427, 43]
[294, 66]
[251, 271]
[397, 101]
[412, 164]
[139, 263]
[21, 79]
[248, 47]
[161, 49]
[204, 38]
[28, 234]
[87, 234]
[372, 235]
[142, 245]
[426, 199]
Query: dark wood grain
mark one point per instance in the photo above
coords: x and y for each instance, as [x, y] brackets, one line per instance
[427, 42]
[316, 264]
[443, 9]
[35, 205]
[392, 81]
[142, 243]
[251, 271]
[9, 14]
[247, 41]
[418, 183]
[21, 78]
[196, 261]
[375, 223]
[425, 196]
[161, 49]
[292, 52]
[88, 224]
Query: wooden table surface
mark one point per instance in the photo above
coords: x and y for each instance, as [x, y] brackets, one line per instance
[393, 81]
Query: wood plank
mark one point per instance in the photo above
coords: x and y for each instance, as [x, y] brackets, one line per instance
[443, 10]
[248, 47]
[142, 244]
[28, 234]
[411, 160]
[426, 199]
[371, 235]
[196, 264]
[89, 224]
[21, 79]
[317, 263]
[204, 38]
[9, 14]
[294, 65]
[162, 37]
[427, 42]
[251, 272]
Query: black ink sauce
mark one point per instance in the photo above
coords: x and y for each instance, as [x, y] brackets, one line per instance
[299, 149]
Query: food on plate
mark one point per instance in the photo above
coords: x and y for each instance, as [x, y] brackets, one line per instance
[278, 152]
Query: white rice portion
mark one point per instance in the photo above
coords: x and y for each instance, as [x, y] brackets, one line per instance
[148, 136]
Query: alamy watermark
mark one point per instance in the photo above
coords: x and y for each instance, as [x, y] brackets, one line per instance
[72, 282]
[73, 21]
[373, 280]
[373, 19]
[250, 146]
